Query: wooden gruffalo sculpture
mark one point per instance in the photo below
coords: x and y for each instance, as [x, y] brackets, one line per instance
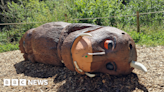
[84, 48]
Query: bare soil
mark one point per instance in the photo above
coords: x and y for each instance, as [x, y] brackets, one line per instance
[60, 79]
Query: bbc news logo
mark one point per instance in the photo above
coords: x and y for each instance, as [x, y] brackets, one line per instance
[24, 82]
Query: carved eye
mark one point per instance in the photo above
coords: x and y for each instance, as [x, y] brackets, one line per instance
[110, 66]
[108, 44]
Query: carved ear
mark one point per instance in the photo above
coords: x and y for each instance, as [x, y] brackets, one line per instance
[78, 26]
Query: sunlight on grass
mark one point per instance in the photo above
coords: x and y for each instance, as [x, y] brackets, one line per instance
[8, 47]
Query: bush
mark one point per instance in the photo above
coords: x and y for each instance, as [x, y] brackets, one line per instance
[94, 8]
[54, 10]
[31, 11]
[34, 11]
[8, 47]
[44, 11]
[107, 8]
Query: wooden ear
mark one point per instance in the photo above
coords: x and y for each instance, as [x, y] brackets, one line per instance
[78, 26]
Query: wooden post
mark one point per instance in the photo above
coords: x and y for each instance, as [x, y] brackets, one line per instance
[66, 20]
[138, 23]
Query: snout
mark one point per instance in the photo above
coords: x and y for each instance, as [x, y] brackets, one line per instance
[133, 55]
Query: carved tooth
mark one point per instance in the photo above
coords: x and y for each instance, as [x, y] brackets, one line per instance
[97, 53]
[77, 67]
[90, 75]
[85, 34]
[138, 66]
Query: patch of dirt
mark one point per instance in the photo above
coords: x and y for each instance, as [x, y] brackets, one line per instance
[60, 79]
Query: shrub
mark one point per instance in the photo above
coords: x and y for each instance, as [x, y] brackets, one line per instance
[43, 11]
[31, 11]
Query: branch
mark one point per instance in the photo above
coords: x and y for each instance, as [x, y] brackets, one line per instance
[2, 2]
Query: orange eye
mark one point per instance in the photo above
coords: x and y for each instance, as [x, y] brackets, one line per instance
[108, 44]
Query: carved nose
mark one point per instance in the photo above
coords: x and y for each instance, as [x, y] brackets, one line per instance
[130, 46]
[132, 49]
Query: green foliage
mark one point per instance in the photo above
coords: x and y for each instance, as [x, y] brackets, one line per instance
[8, 47]
[94, 8]
[34, 11]
[148, 37]
[107, 8]
[54, 10]
[144, 6]
[43, 11]
[30, 11]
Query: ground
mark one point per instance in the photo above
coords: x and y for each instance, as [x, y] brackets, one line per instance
[60, 79]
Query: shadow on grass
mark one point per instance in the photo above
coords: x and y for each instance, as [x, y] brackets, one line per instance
[80, 83]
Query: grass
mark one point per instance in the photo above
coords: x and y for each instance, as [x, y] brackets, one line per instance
[9, 47]
[5, 44]
[149, 36]
[153, 39]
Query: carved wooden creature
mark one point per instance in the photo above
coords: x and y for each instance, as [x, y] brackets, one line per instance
[84, 48]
